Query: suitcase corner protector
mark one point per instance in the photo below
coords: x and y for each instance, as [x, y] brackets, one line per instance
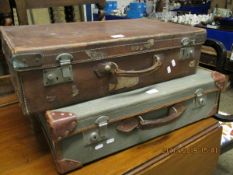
[220, 79]
[61, 124]
[66, 165]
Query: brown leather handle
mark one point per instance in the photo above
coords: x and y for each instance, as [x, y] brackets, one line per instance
[113, 68]
[130, 124]
[155, 66]
[175, 112]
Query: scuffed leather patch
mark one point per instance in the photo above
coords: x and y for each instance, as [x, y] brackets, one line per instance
[95, 54]
[123, 82]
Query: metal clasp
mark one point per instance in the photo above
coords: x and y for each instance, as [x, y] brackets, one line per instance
[187, 50]
[61, 74]
[200, 99]
[99, 134]
[102, 123]
[186, 42]
[65, 63]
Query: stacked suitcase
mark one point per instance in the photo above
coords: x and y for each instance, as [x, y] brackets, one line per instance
[101, 87]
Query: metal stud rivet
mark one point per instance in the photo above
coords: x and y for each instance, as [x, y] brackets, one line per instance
[74, 123]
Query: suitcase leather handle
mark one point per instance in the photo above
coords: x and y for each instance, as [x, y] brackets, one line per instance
[113, 68]
[129, 125]
[175, 112]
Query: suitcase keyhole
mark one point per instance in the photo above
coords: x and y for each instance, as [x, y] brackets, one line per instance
[94, 137]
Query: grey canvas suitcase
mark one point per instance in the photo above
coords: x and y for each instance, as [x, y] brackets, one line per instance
[82, 133]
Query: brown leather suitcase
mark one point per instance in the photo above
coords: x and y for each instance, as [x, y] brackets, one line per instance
[62, 64]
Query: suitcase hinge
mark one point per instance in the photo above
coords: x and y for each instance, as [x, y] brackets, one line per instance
[61, 74]
[200, 98]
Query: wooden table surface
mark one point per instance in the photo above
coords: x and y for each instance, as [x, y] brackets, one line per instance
[22, 153]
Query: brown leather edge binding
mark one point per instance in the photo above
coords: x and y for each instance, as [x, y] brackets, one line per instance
[220, 80]
[66, 165]
[61, 124]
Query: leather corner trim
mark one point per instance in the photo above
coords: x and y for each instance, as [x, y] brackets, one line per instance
[220, 80]
[61, 124]
[66, 165]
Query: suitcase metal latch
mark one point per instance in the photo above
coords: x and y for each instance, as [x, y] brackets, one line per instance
[99, 134]
[187, 50]
[200, 99]
[61, 74]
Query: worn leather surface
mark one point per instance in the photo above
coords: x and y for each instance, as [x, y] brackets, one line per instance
[131, 44]
[29, 38]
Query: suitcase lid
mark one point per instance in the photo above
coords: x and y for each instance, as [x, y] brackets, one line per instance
[87, 41]
[85, 116]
